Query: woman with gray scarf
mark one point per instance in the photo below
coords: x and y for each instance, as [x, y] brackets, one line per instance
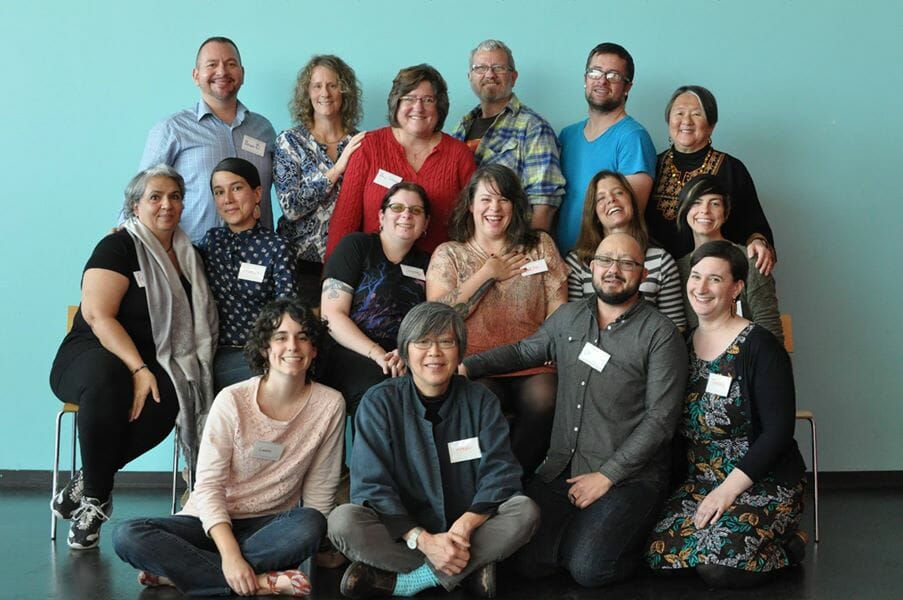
[138, 357]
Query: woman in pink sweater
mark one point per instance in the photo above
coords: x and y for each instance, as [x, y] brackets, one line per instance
[269, 442]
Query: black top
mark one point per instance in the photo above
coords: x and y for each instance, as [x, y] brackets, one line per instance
[674, 169]
[383, 295]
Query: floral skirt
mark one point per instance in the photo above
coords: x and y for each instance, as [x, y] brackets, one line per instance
[750, 535]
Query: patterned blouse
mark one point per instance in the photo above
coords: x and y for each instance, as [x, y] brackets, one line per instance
[306, 196]
[245, 270]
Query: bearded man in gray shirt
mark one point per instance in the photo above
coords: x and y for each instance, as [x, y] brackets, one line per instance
[622, 374]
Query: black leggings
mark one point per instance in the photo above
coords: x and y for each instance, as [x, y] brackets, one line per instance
[531, 399]
[728, 577]
[102, 387]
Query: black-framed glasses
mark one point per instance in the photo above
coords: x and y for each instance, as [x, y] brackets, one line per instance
[412, 100]
[427, 343]
[611, 76]
[483, 69]
[398, 208]
[625, 264]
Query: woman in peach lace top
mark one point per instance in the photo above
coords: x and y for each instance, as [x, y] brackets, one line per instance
[269, 442]
[507, 278]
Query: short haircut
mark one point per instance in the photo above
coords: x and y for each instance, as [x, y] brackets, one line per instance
[431, 318]
[489, 46]
[409, 186]
[617, 50]
[135, 188]
[221, 40]
[267, 323]
[706, 101]
[408, 79]
[241, 167]
[591, 231]
[300, 108]
[725, 250]
[506, 183]
[696, 188]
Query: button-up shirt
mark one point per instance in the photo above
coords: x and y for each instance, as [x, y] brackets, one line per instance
[240, 294]
[617, 421]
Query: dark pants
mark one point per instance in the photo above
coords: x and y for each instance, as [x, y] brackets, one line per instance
[349, 372]
[102, 386]
[307, 282]
[177, 548]
[229, 366]
[598, 545]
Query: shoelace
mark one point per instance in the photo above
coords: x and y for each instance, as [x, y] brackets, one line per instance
[86, 512]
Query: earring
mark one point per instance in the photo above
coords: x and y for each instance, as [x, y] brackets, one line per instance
[256, 211]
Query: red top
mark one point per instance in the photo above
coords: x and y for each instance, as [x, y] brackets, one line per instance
[444, 173]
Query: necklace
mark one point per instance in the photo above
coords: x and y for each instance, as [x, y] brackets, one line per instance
[321, 139]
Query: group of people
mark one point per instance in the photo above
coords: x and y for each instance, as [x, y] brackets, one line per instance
[525, 328]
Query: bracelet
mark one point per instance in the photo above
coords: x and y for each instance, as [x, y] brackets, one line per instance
[371, 349]
[143, 366]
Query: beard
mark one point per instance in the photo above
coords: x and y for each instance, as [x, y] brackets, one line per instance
[616, 298]
[604, 107]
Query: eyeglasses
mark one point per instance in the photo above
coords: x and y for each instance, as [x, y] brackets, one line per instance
[398, 208]
[611, 76]
[427, 343]
[412, 100]
[483, 69]
[625, 264]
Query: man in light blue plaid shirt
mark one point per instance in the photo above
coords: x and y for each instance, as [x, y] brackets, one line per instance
[502, 130]
[194, 140]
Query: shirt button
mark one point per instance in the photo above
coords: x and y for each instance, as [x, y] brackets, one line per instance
[578, 406]
[570, 339]
[576, 428]
[582, 383]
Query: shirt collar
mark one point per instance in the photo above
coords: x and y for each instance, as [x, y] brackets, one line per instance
[203, 109]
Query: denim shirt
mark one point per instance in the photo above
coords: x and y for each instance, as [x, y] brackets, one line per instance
[617, 421]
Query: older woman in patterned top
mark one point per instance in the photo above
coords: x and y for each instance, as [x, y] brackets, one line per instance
[247, 265]
[310, 162]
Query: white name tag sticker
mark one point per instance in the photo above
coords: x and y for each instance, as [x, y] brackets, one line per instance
[413, 272]
[252, 272]
[386, 179]
[719, 385]
[462, 450]
[535, 267]
[594, 356]
[267, 450]
[139, 278]
[253, 145]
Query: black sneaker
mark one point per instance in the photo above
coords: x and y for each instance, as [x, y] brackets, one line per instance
[69, 498]
[84, 532]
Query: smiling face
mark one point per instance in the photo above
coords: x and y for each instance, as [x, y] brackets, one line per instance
[325, 92]
[160, 206]
[491, 211]
[706, 215]
[616, 285]
[417, 114]
[403, 226]
[614, 208]
[601, 94]
[687, 124]
[290, 352]
[235, 200]
[433, 360]
[218, 72]
[492, 86]
[711, 289]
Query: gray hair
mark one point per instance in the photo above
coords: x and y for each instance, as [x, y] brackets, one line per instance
[706, 102]
[135, 189]
[490, 45]
[431, 318]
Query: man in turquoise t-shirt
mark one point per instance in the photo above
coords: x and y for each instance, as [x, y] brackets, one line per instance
[608, 139]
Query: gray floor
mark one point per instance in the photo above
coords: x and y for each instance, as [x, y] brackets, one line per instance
[859, 557]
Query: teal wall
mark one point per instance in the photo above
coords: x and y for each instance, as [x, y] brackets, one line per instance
[809, 98]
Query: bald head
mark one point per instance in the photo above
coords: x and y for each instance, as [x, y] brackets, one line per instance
[618, 269]
[620, 245]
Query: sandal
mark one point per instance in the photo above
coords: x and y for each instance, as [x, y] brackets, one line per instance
[148, 579]
[299, 581]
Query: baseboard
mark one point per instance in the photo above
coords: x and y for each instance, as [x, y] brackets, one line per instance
[147, 480]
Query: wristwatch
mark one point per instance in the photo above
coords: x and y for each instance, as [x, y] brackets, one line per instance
[412, 540]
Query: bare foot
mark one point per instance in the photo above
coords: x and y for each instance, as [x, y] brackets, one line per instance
[286, 583]
[151, 580]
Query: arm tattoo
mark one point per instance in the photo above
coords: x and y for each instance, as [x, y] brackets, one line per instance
[334, 286]
[464, 308]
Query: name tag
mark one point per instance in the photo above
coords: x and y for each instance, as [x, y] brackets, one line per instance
[252, 272]
[386, 179]
[719, 385]
[535, 267]
[139, 278]
[594, 356]
[267, 450]
[253, 145]
[413, 272]
[462, 450]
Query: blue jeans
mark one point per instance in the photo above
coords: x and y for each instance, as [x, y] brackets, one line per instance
[597, 545]
[177, 548]
[229, 366]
